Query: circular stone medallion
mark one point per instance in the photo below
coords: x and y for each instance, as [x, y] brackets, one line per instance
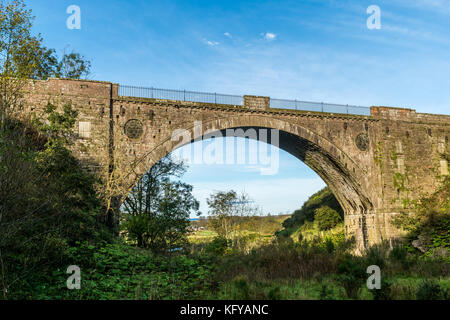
[133, 129]
[362, 141]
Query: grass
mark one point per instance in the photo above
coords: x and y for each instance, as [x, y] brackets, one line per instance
[315, 289]
[309, 231]
[259, 230]
[280, 270]
[265, 267]
[202, 236]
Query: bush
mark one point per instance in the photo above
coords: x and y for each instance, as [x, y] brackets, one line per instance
[49, 201]
[384, 293]
[321, 198]
[325, 293]
[398, 253]
[240, 288]
[218, 246]
[376, 255]
[430, 290]
[351, 275]
[327, 218]
[329, 245]
[273, 293]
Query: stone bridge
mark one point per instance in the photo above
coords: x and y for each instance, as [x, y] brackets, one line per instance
[376, 165]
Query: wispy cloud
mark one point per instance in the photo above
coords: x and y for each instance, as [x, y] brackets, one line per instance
[211, 43]
[269, 36]
[227, 34]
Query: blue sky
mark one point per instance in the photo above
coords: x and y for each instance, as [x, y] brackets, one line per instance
[316, 50]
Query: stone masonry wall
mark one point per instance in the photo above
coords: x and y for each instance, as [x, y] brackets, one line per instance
[376, 165]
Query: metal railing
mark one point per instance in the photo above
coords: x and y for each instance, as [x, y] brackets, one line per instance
[319, 107]
[180, 95]
[218, 98]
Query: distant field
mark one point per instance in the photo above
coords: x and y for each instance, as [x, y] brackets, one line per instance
[202, 236]
[262, 228]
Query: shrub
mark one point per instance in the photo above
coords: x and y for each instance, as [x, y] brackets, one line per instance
[384, 293]
[327, 218]
[218, 246]
[321, 198]
[273, 293]
[240, 288]
[325, 293]
[351, 275]
[398, 253]
[329, 245]
[376, 255]
[430, 290]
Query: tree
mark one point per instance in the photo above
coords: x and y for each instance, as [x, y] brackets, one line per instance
[221, 212]
[157, 210]
[327, 218]
[229, 210]
[73, 66]
[23, 57]
[321, 198]
[47, 201]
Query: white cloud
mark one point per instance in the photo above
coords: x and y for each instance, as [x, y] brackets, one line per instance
[227, 34]
[269, 36]
[211, 43]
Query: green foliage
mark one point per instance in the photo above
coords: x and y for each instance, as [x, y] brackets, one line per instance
[240, 288]
[399, 253]
[229, 211]
[430, 290]
[430, 221]
[307, 212]
[325, 292]
[157, 210]
[72, 66]
[399, 181]
[351, 274]
[221, 212]
[376, 255]
[326, 218]
[218, 246]
[119, 271]
[385, 292]
[48, 202]
[273, 293]
[23, 56]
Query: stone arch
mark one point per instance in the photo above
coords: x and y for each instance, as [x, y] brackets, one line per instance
[338, 170]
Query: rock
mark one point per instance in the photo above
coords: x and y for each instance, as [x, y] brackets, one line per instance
[420, 244]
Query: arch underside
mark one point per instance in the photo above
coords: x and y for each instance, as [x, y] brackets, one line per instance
[332, 171]
[321, 155]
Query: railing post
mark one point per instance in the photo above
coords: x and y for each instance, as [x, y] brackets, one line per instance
[295, 104]
[151, 92]
[184, 95]
[321, 106]
[347, 108]
[215, 98]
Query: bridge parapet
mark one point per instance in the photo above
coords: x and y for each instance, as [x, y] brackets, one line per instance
[257, 102]
[405, 114]
[391, 112]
